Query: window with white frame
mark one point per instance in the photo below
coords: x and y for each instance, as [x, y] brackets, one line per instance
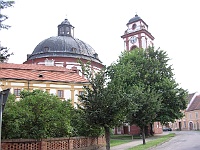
[118, 129]
[81, 92]
[17, 92]
[60, 93]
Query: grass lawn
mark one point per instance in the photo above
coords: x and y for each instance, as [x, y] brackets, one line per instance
[153, 142]
[121, 139]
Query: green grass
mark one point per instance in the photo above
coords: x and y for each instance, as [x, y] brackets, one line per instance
[121, 139]
[153, 142]
[115, 142]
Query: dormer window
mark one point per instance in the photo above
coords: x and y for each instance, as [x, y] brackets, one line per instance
[73, 49]
[95, 55]
[46, 49]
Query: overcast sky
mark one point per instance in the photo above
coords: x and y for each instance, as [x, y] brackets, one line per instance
[175, 24]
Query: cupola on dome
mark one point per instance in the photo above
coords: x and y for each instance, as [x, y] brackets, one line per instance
[64, 46]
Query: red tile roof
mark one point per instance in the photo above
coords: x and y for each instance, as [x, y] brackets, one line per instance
[32, 72]
[195, 105]
[33, 67]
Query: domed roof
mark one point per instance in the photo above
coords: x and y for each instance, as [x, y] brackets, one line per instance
[66, 22]
[134, 19]
[64, 45]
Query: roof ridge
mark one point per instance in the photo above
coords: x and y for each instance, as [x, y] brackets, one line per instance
[34, 67]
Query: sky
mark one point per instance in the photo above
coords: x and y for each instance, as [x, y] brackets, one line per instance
[175, 24]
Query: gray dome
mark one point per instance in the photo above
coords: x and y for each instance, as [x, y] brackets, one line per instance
[66, 22]
[64, 46]
[134, 19]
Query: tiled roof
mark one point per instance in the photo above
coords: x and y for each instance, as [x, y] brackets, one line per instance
[190, 96]
[33, 67]
[195, 105]
[39, 73]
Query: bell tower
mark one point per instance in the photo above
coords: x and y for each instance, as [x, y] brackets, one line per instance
[137, 34]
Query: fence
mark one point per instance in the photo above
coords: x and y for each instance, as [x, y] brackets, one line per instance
[73, 143]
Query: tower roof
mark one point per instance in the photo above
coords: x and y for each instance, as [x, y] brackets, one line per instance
[135, 19]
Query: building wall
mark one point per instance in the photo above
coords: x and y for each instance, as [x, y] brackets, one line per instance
[191, 121]
[70, 91]
[135, 130]
[157, 128]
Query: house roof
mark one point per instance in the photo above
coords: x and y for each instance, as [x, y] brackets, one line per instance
[39, 73]
[190, 96]
[195, 105]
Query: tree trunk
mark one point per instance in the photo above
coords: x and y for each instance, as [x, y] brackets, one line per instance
[143, 135]
[107, 136]
[151, 129]
[146, 130]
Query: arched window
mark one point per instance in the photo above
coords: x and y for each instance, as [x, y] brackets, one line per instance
[134, 26]
[133, 47]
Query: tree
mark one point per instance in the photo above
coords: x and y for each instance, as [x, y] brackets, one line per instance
[81, 127]
[4, 55]
[149, 79]
[36, 115]
[3, 5]
[103, 102]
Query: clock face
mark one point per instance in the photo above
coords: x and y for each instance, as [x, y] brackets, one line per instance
[133, 39]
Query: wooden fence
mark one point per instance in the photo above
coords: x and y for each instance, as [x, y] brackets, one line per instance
[73, 143]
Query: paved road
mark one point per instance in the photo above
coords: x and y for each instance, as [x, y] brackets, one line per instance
[135, 142]
[184, 140]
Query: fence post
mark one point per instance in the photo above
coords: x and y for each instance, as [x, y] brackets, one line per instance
[70, 143]
[43, 145]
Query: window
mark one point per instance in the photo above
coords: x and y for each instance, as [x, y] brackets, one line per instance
[196, 115]
[60, 93]
[118, 129]
[81, 92]
[184, 124]
[46, 49]
[133, 47]
[17, 92]
[190, 116]
[134, 26]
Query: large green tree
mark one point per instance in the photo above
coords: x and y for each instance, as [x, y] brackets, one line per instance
[37, 114]
[150, 80]
[4, 54]
[104, 103]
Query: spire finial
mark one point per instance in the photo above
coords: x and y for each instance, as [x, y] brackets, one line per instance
[136, 15]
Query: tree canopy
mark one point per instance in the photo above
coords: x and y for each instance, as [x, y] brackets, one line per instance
[4, 5]
[148, 78]
[103, 102]
[36, 115]
[4, 54]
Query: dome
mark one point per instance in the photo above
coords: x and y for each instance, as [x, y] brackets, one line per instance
[64, 46]
[66, 22]
[134, 19]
